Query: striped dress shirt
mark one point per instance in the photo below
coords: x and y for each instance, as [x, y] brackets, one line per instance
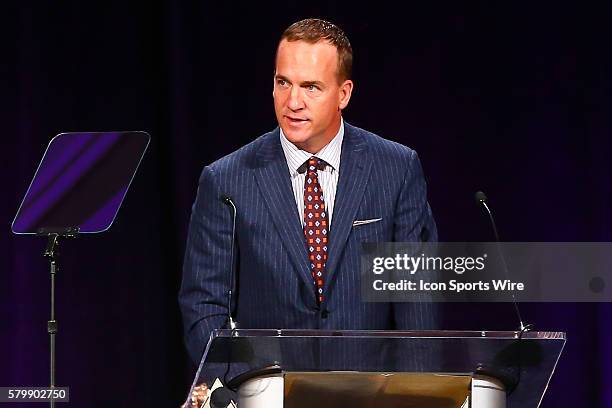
[328, 177]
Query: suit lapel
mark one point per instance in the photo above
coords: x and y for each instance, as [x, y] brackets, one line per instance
[273, 180]
[355, 166]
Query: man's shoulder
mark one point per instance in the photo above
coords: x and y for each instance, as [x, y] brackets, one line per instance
[381, 148]
[245, 156]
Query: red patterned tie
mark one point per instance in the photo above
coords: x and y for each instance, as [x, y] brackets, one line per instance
[316, 225]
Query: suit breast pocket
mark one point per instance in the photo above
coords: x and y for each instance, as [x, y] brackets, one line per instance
[372, 229]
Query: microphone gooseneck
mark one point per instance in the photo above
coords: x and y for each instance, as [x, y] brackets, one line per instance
[232, 281]
[481, 198]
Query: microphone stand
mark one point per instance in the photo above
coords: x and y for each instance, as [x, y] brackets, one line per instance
[481, 198]
[220, 395]
[53, 237]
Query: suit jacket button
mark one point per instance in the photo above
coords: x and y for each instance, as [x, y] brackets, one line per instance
[324, 314]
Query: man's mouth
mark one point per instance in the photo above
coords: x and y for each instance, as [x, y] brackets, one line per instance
[296, 120]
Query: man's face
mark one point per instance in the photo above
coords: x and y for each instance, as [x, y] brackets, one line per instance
[307, 96]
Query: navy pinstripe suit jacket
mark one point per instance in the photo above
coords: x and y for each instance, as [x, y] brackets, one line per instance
[378, 179]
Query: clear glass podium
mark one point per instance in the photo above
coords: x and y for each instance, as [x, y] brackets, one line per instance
[300, 368]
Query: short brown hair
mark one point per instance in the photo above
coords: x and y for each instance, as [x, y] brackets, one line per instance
[313, 30]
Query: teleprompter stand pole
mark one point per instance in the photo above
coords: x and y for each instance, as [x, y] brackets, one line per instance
[50, 253]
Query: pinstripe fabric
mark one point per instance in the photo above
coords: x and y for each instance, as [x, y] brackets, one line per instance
[328, 177]
[377, 179]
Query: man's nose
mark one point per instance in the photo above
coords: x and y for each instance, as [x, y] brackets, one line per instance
[296, 100]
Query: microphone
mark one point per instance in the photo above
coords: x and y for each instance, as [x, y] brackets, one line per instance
[481, 198]
[232, 281]
[221, 398]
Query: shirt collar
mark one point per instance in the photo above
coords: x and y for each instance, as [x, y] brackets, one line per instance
[330, 153]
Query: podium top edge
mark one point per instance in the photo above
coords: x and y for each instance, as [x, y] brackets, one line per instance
[440, 334]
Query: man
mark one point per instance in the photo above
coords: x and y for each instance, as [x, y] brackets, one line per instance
[307, 194]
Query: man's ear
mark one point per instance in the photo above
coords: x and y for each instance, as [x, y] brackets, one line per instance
[346, 89]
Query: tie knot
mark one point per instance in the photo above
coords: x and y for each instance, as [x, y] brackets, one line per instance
[312, 164]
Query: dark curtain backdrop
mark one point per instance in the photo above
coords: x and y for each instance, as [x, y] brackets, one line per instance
[513, 99]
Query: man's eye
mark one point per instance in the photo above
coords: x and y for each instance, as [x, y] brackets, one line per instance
[312, 88]
[281, 82]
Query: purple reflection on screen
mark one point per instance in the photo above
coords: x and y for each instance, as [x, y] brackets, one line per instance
[81, 181]
[100, 217]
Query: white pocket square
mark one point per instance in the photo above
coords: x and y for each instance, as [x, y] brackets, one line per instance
[364, 222]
